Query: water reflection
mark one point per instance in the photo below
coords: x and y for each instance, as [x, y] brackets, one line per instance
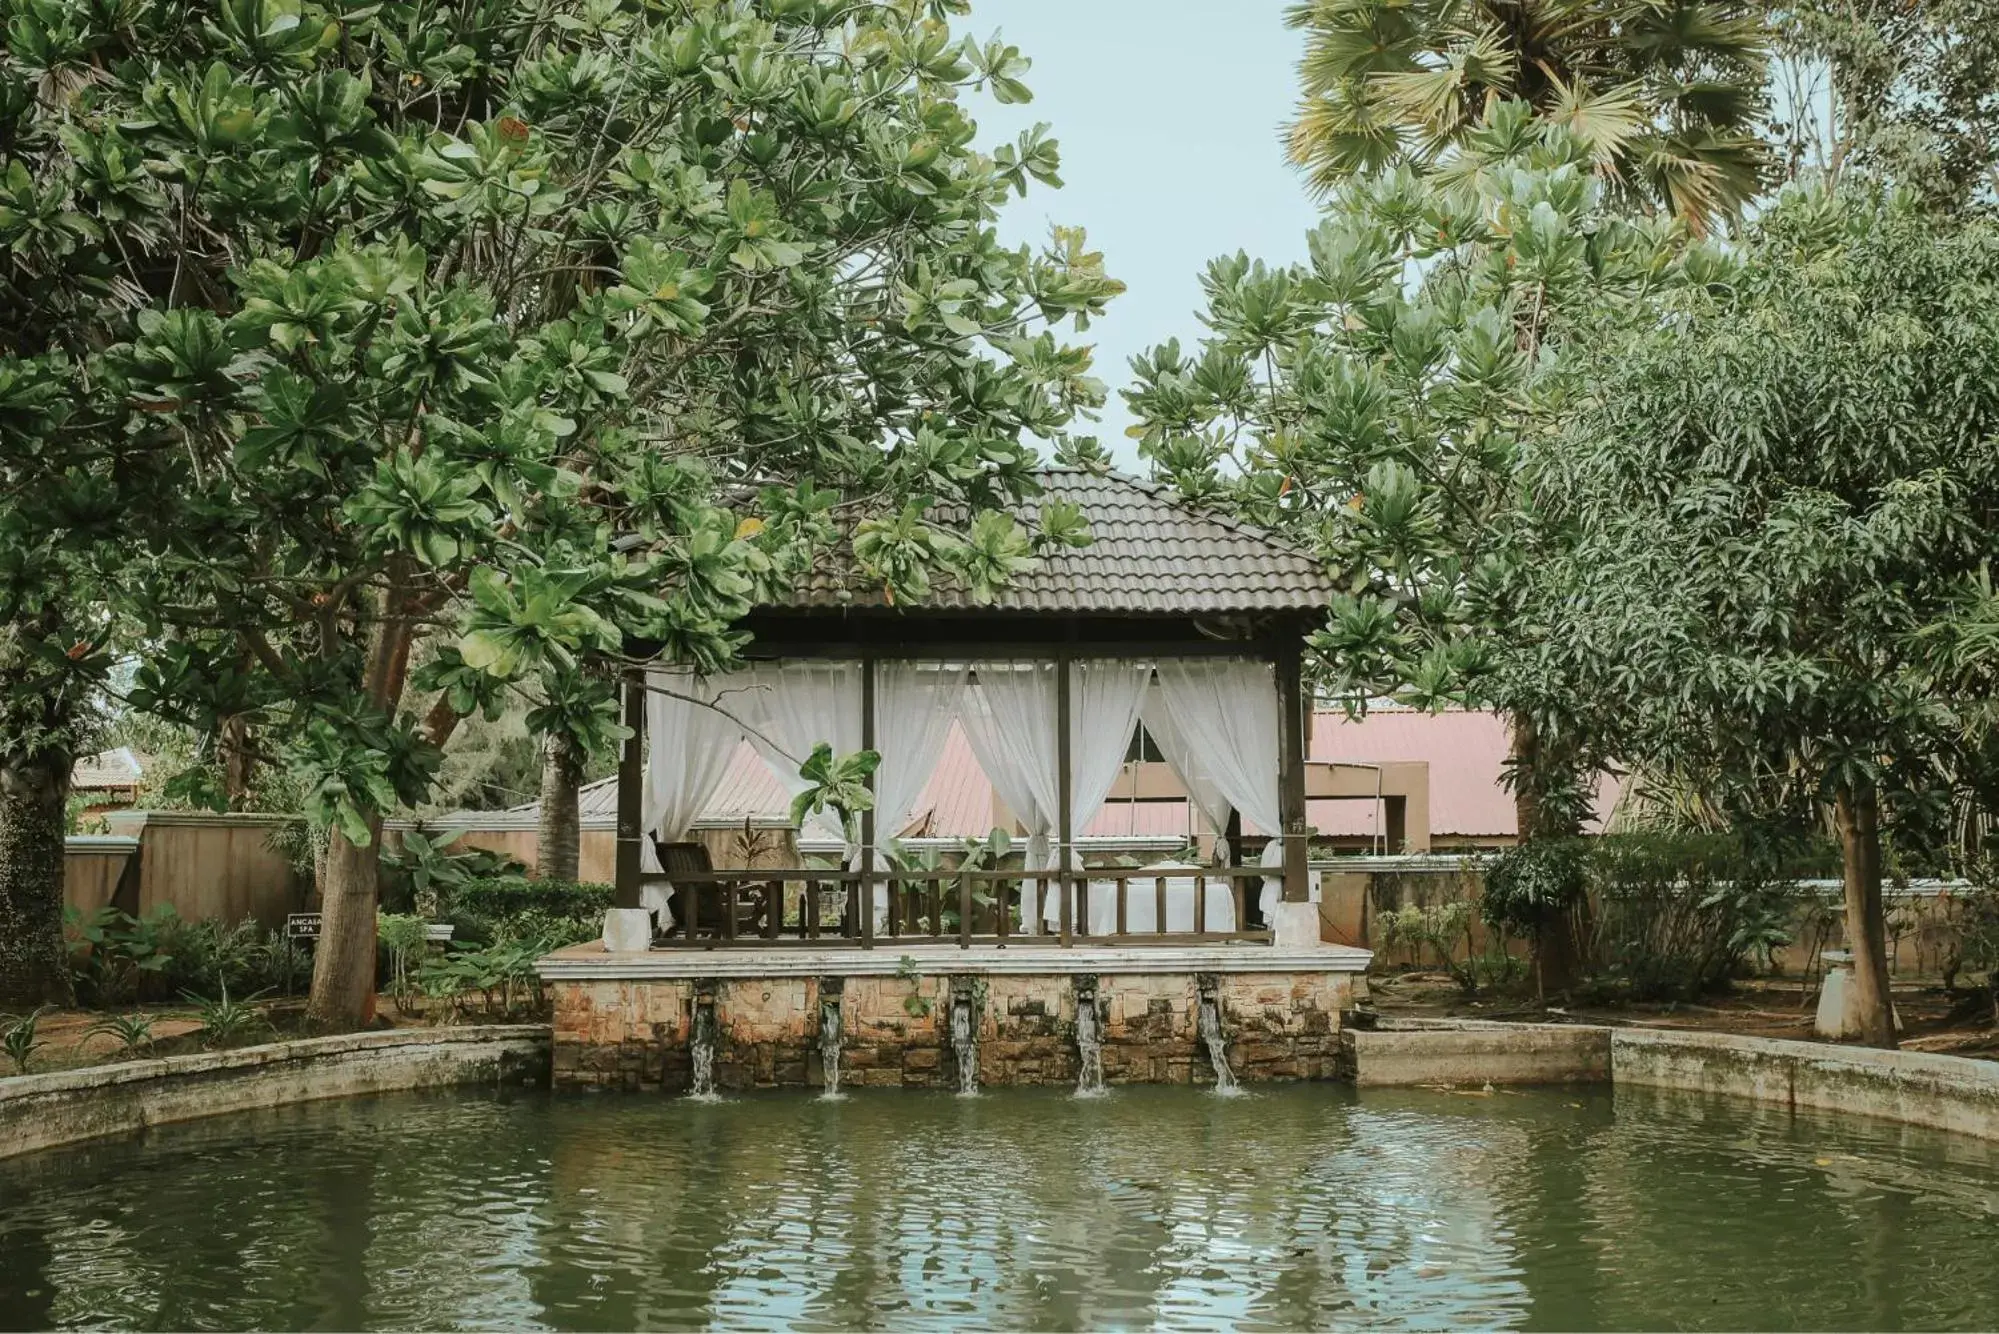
[1152, 1207]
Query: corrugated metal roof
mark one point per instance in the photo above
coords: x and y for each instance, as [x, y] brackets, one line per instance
[1151, 553]
[107, 770]
[1466, 752]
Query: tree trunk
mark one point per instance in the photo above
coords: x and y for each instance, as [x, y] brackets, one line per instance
[34, 968]
[238, 762]
[1558, 949]
[559, 844]
[1859, 818]
[343, 967]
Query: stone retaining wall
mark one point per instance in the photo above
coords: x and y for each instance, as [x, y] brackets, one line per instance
[44, 1111]
[636, 1033]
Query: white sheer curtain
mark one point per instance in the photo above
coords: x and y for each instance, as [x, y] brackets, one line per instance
[688, 750]
[1009, 721]
[1215, 720]
[789, 707]
[1106, 695]
[914, 705]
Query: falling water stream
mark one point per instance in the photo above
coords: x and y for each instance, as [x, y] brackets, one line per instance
[1216, 1043]
[701, 1050]
[829, 1047]
[1089, 1047]
[965, 1042]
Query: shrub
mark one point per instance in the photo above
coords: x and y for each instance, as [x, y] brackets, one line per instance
[426, 875]
[1527, 888]
[117, 959]
[1445, 930]
[511, 908]
[1677, 915]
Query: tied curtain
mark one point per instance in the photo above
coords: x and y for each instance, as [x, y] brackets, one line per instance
[1215, 721]
[689, 749]
[1009, 716]
[787, 708]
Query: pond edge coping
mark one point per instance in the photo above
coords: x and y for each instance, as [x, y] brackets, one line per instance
[1957, 1094]
[1032, 956]
[64, 1107]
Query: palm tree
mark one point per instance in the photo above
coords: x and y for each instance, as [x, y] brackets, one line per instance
[1665, 94]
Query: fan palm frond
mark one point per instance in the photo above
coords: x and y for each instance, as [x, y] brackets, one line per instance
[1665, 94]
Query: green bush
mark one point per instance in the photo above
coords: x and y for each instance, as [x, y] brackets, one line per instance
[1528, 887]
[117, 959]
[512, 908]
[1678, 915]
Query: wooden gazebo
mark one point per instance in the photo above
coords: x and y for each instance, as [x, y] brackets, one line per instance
[1159, 583]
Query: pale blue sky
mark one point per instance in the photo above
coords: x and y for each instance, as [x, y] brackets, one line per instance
[1167, 112]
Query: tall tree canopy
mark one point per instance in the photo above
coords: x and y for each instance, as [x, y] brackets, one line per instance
[1378, 403]
[1904, 91]
[521, 330]
[1780, 498]
[1667, 95]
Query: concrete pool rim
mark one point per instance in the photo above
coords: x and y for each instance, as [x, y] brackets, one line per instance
[1955, 1094]
[65, 1107]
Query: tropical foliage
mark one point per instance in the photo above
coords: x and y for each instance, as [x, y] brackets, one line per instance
[1779, 500]
[1666, 96]
[396, 314]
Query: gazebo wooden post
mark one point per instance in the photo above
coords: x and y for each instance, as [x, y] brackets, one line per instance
[1291, 713]
[631, 793]
[864, 909]
[1064, 832]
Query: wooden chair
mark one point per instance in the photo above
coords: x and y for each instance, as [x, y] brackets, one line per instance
[754, 903]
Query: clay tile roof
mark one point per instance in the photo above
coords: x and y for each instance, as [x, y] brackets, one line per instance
[1152, 553]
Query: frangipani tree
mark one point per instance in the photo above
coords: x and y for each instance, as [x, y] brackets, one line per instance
[1780, 498]
[518, 331]
[1379, 403]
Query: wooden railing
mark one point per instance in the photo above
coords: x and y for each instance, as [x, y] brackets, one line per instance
[1100, 906]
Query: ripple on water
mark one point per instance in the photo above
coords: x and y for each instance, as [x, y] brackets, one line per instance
[1298, 1206]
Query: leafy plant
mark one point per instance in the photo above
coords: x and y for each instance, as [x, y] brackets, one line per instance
[405, 939]
[114, 955]
[502, 975]
[20, 1040]
[427, 874]
[840, 783]
[915, 1004]
[1676, 915]
[225, 1021]
[130, 1031]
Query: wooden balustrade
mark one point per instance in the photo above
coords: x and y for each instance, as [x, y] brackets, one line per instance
[821, 907]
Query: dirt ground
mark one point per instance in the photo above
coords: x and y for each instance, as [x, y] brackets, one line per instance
[1772, 1008]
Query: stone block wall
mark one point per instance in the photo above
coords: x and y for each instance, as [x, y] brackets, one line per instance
[896, 1029]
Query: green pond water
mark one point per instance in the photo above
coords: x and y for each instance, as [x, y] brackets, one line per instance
[1306, 1206]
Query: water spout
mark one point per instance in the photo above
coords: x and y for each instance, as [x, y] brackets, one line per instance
[701, 1048]
[1214, 1039]
[829, 1045]
[965, 1038]
[1089, 1041]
